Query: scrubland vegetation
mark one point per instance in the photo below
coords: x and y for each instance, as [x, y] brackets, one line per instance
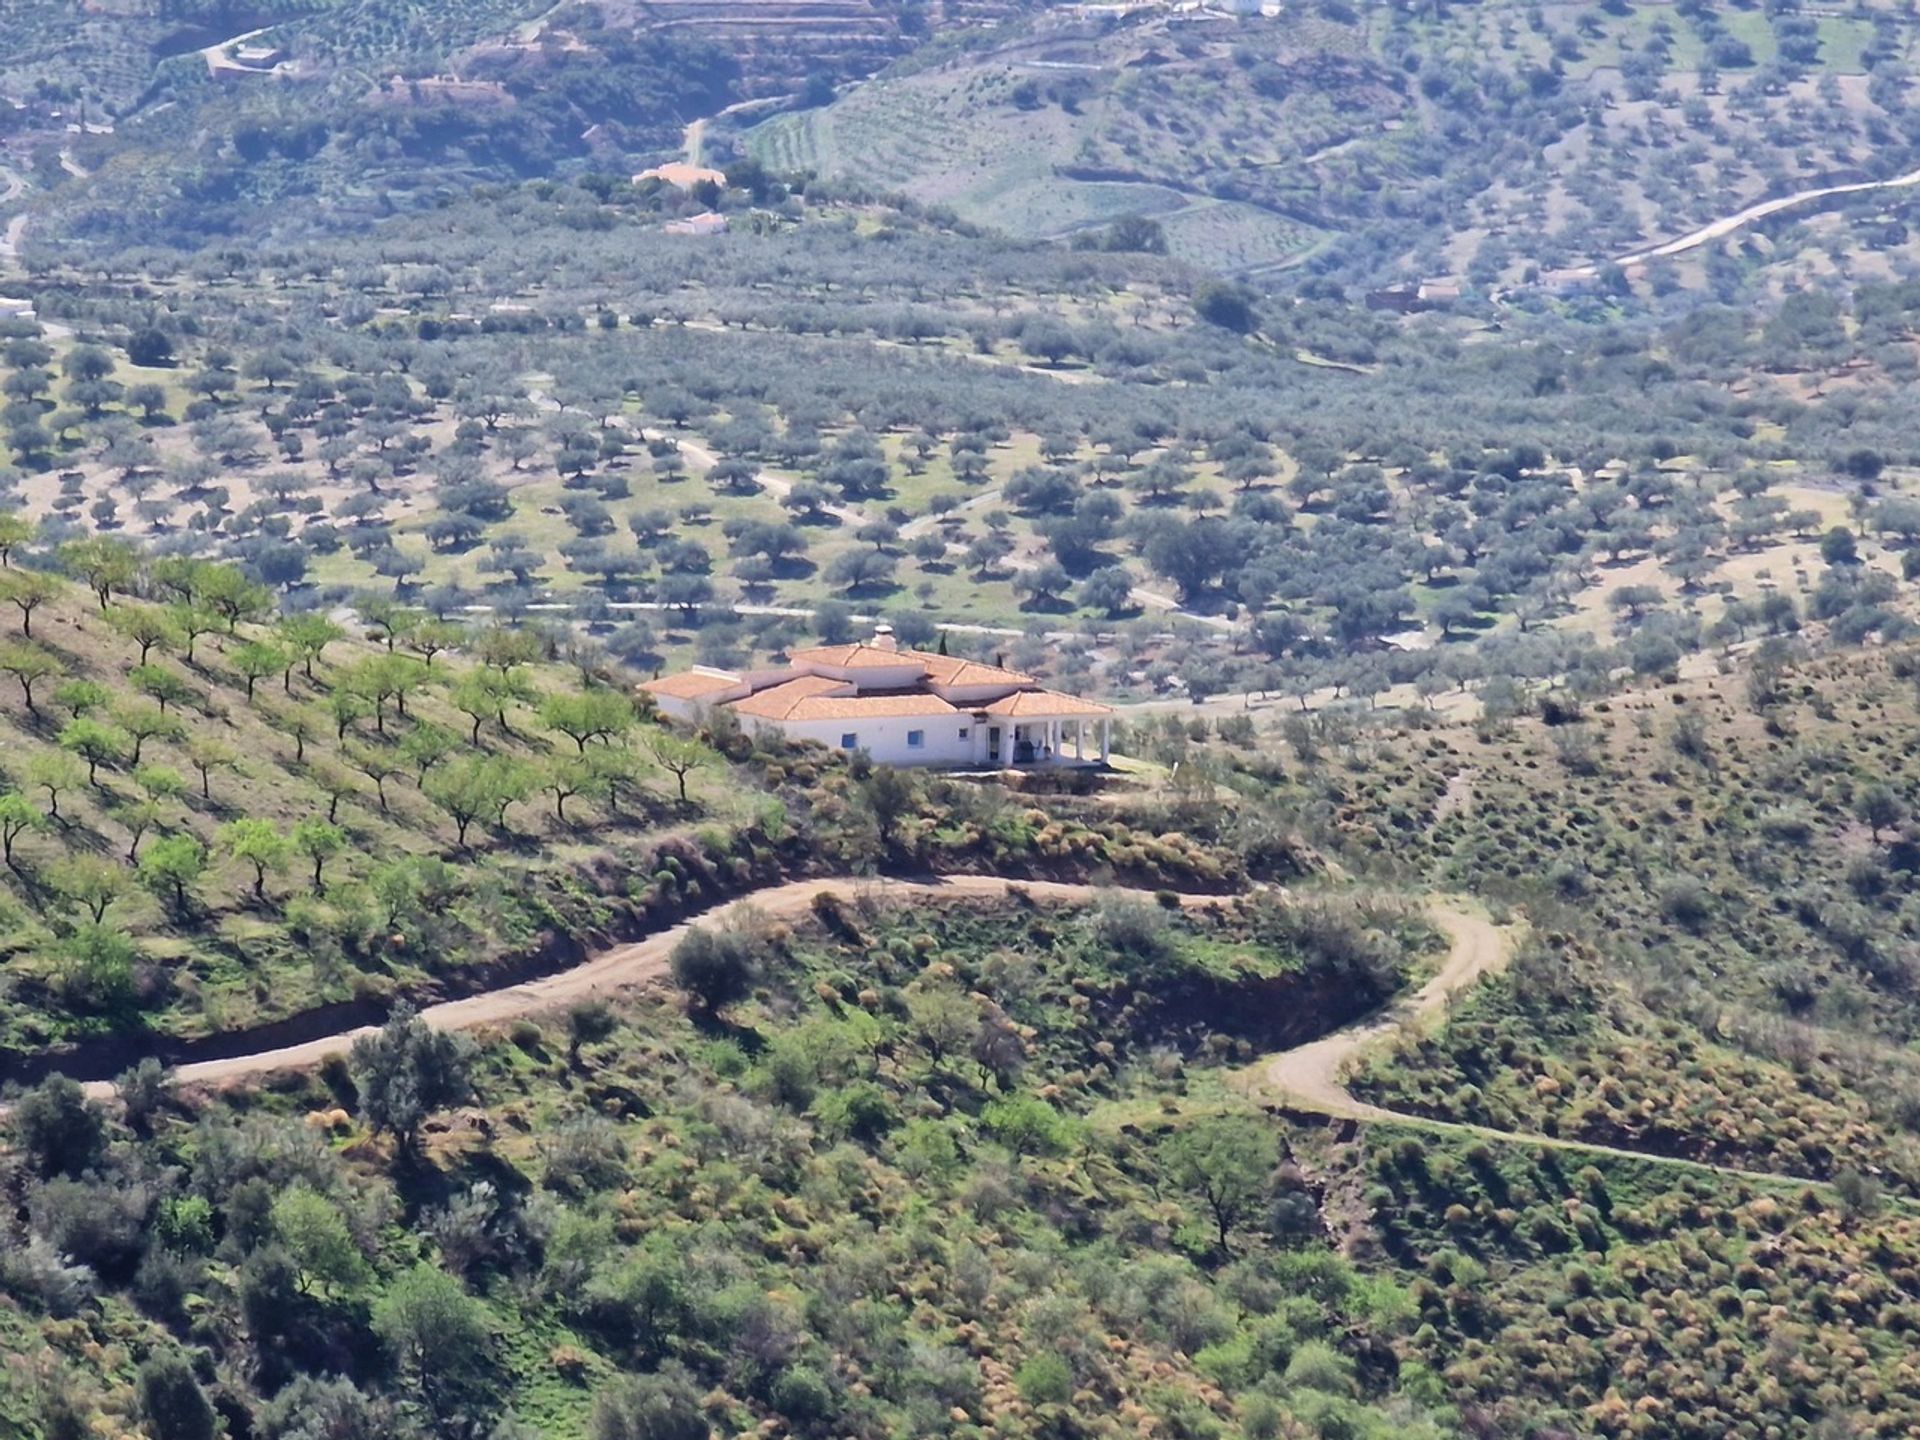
[371, 435]
[1717, 973]
[859, 1192]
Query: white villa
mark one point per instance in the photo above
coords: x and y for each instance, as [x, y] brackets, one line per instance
[903, 707]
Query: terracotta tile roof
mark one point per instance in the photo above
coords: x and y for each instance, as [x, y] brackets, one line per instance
[958, 670]
[856, 657]
[778, 702]
[689, 684]
[1048, 704]
[940, 669]
[870, 707]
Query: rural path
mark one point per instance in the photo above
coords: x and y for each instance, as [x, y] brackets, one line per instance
[16, 231]
[13, 186]
[623, 967]
[1307, 1077]
[920, 524]
[1146, 599]
[777, 486]
[1310, 1076]
[1727, 224]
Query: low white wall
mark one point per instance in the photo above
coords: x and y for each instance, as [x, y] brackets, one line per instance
[886, 739]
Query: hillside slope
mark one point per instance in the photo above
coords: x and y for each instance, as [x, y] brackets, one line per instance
[1492, 145]
[1717, 876]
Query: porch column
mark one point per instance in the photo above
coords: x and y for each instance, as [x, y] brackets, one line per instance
[1079, 739]
[1106, 730]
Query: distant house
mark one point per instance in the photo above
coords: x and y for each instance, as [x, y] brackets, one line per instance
[683, 176]
[708, 222]
[1402, 299]
[904, 707]
[1406, 299]
[1578, 281]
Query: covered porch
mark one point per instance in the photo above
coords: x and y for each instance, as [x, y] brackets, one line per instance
[1075, 740]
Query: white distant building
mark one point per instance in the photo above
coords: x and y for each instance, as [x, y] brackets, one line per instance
[903, 707]
[14, 307]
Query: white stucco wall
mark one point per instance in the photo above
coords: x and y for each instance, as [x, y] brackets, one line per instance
[676, 709]
[886, 739]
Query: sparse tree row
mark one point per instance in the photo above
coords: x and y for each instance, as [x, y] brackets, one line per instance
[184, 756]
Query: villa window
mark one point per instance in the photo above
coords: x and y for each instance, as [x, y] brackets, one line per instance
[963, 732]
[850, 741]
[916, 739]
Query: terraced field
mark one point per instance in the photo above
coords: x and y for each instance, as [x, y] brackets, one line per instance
[1233, 236]
[1029, 172]
[1620, 129]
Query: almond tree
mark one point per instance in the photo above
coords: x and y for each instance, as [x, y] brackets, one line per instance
[17, 816]
[27, 591]
[260, 844]
[29, 664]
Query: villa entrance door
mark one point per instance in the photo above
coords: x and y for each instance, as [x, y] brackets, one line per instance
[993, 744]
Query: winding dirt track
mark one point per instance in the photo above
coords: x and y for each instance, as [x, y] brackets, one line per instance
[1307, 1077]
[1727, 224]
[623, 967]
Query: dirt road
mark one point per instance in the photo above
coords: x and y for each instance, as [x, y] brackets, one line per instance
[10, 242]
[625, 967]
[1727, 224]
[1309, 1075]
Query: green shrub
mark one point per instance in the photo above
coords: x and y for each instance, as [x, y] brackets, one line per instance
[860, 1111]
[1044, 1379]
[1316, 1365]
[1027, 1125]
[58, 1129]
[717, 965]
[172, 1402]
[802, 1394]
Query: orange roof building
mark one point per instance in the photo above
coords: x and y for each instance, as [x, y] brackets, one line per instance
[905, 707]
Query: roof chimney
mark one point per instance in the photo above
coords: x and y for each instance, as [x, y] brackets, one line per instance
[883, 637]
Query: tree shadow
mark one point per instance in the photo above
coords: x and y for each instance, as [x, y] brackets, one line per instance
[714, 1025]
[1047, 605]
